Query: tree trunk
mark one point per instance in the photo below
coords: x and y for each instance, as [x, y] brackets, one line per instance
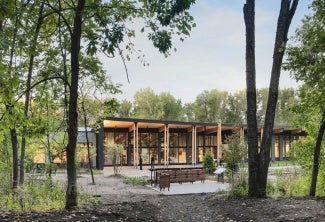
[9, 109]
[317, 150]
[252, 136]
[71, 194]
[14, 144]
[27, 95]
[286, 14]
[87, 139]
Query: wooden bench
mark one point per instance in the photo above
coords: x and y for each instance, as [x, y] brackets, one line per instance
[164, 181]
[179, 175]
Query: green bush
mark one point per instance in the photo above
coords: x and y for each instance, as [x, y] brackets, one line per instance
[136, 181]
[40, 195]
[208, 163]
[239, 186]
[238, 192]
[299, 187]
[35, 195]
[293, 184]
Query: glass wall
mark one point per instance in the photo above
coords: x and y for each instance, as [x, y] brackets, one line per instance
[119, 138]
[177, 148]
[207, 143]
[148, 146]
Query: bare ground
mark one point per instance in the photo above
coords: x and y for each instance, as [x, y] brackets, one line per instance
[122, 202]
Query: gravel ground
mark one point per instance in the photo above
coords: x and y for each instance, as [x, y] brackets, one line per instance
[122, 202]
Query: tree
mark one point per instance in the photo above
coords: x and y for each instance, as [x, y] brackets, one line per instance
[236, 108]
[188, 110]
[306, 63]
[208, 163]
[234, 151]
[163, 19]
[125, 109]
[259, 159]
[172, 108]
[115, 151]
[33, 49]
[210, 106]
[261, 100]
[10, 80]
[147, 105]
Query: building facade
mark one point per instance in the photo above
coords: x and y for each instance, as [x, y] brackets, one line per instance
[174, 142]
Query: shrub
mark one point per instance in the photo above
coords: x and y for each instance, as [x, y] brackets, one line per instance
[233, 152]
[136, 181]
[208, 163]
[239, 186]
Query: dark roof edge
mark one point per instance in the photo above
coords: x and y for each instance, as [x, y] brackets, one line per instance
[164, 121]
[188, 123]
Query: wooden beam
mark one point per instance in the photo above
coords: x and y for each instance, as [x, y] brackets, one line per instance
[162, 128]
[296, 131]
[211, 130]
[131, 128]
[200, 129]
[279, 130]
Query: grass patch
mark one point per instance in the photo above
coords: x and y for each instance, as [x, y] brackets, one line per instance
[136, 181]
[41, 195]
[35, 195]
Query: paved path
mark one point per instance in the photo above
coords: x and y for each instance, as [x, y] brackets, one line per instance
[209, 186]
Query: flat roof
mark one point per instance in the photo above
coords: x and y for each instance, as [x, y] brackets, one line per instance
[118, 122]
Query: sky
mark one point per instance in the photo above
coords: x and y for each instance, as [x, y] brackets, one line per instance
[213, 57]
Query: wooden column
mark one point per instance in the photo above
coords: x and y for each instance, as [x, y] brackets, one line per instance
[135, 145]
[219, 142]
[281, 146]
[193, 145]
[272, 149]
[167, 145]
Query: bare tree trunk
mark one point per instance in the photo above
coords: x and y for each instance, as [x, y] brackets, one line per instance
[71, 194]
[87, 139]
[317, 150]
[27, 95]
[252, 133]
[259, 162]
[14, 144]
[286, 14]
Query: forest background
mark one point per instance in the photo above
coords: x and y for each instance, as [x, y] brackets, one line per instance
[50, 81]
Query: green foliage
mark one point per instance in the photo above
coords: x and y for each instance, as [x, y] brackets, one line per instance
[39, 195]
[35, 195]
[172, 108]
[299, 187]
[208, 163]
[320, 191]
[233, 152]
[115, 151]
[293, 184]
[210, 106]
[149, 105]
[239, 186]
[87, 199]
[136, 181]
[236, 108]
[125, 109]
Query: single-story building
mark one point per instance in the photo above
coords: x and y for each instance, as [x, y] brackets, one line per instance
[176, 142]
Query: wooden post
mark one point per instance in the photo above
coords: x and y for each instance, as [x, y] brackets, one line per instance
[219, 142]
